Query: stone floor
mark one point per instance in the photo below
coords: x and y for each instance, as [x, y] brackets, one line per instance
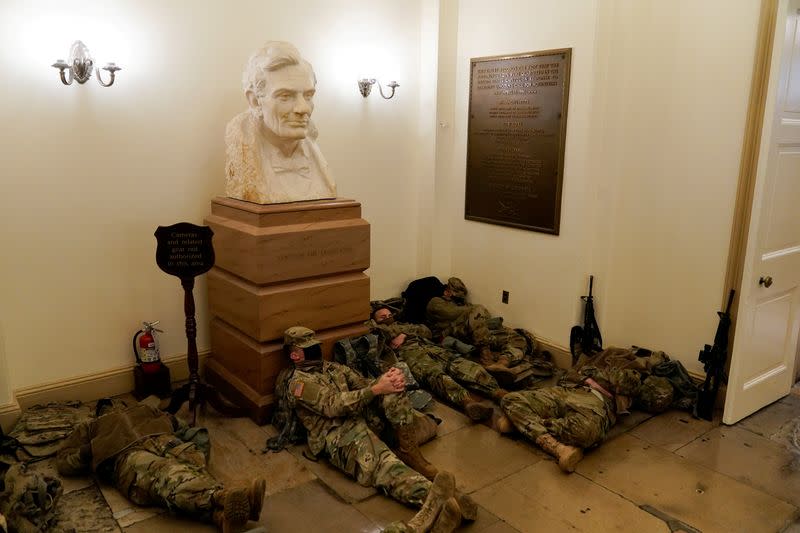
[653, 474]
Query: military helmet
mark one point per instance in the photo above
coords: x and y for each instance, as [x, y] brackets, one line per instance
[300, 337]
[656, 394]
[457, 287]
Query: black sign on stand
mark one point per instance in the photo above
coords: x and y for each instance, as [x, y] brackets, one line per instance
[185, 250]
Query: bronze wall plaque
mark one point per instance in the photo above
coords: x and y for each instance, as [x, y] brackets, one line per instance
[515, 139]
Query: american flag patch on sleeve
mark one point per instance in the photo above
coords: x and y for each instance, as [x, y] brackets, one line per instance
[298, 389]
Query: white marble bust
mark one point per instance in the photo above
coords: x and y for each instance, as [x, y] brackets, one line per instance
[272, 155]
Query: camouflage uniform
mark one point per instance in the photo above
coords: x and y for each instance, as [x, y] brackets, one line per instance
[676, 389]
[578, 415]
[138, 451]
[334, 403]
[472, 323]
[435, 367]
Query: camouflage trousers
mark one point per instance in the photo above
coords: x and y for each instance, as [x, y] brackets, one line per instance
[479, 329]
[447, 374]
[574, 416]
[167, 472]
[355, 450]
[396, 409]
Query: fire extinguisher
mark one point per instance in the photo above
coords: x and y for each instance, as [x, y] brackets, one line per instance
[146, 349]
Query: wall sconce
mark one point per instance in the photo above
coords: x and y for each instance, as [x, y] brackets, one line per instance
[80, 66]
[365, 86]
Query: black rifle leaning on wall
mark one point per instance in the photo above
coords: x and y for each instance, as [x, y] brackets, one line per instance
[713, 359]
[588, 336]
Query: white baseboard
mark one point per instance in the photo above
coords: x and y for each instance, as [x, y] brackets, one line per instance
[88, 387]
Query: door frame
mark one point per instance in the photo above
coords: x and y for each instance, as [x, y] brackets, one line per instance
[748, 165]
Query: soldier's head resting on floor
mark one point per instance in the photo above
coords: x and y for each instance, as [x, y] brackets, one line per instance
[383, 315]
[302, 347]
[655, 395]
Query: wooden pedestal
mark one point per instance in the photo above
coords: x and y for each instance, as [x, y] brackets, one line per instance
[277, 266]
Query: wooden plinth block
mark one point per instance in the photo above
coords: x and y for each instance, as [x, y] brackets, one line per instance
[290, 242]
[277, 266]
[258, 363]
[265, 312]
[258, 405]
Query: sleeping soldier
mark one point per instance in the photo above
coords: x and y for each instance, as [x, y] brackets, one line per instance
[138, 450]
[334, 403]
[451, 315]
[437, 368]
[563, 420]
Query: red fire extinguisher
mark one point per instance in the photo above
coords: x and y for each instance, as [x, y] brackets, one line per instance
[146, 349]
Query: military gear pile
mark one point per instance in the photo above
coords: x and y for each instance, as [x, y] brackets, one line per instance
[29, 499]
[655, 395]
[42, 428]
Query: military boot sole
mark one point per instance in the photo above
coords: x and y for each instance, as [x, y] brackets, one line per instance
[449, 518]
[569, 459]
[256, 497]
[469, 509]
[235, 510]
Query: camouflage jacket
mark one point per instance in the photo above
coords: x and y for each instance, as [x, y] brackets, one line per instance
[441, 314]
[415, 333]
[326, 399]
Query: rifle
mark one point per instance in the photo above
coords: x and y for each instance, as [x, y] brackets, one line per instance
[713, 359]
[588, 336]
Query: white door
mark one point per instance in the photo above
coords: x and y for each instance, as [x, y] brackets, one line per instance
[768, 320]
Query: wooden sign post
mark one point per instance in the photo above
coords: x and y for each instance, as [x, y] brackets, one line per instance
[185, 250]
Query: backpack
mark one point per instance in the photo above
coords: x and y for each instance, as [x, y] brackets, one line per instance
[417, 295]
[284, 419]
[362, 354]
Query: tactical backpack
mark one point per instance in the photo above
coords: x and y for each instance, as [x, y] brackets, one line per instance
[417, 295]
[284, 419]
[362, 354]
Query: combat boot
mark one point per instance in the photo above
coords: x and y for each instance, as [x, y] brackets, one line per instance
[477, 411]
[469, 509]
[568, 456]
[501, 423]
[232, 509]
[443, 488]
[425, 428]
[408, 452]
[449, 518]
[255, 495]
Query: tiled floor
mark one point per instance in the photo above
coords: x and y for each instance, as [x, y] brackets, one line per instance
[653, 474]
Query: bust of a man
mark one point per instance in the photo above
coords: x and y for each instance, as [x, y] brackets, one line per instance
[272, 155]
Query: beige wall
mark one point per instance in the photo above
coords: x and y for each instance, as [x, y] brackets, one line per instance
[89, 173]
[656, 111]
[543, 273]
[657, 105]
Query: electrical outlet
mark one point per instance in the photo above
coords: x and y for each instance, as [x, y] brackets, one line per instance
[504, 298]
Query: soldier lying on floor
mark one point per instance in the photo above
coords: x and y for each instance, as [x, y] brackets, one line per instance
[139, 450]
[579, 412]
[499, 347]
[342, 412]
[440, 370]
